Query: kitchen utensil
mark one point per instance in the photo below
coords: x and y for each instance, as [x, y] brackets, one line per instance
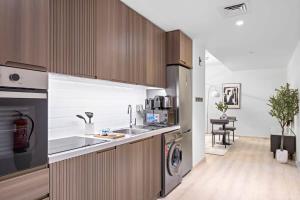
[90, 116]
[81, 117]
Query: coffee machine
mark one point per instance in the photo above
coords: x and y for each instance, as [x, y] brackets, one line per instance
[160, 111]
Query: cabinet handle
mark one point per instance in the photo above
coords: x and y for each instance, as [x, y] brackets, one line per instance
[105, 150]
[141, 140]
[25, 66]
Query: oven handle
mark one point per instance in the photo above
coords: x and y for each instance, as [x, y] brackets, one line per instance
[23, 95]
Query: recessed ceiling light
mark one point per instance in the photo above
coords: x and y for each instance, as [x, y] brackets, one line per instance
[239, 23]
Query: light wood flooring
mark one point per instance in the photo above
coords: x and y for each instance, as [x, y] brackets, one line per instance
[247, 172]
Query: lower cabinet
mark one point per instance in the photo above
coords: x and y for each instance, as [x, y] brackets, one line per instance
[128, 172]
[139, 169]
[30, 186]
[87, 177]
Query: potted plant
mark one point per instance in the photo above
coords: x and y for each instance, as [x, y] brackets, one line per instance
[221, 106]
[284, 106]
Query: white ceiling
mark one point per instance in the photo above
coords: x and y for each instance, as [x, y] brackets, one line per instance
[267, 39]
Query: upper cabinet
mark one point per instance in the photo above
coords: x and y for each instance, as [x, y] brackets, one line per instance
[102, 39]
[137, 47]
[72, 35]
[112, 40]
[179, 49]
[155, 59]
[24, 33]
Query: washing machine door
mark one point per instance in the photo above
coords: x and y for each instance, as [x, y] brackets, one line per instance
[174, 159]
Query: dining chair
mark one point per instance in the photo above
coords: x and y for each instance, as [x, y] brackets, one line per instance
[220, 131]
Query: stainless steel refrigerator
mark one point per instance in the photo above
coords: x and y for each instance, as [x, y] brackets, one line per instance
[179, 85]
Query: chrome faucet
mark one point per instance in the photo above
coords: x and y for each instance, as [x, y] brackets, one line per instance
[130, 115]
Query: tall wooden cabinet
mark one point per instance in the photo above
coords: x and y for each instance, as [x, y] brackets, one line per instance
[24, 33]
[138, 169]
[179, 49]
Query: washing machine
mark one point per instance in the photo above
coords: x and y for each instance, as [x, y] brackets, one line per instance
[171, 161]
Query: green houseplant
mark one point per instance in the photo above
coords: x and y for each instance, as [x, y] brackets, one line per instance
[221, 106]
[284, 106]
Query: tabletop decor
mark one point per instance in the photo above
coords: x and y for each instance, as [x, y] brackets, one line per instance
[221, 106]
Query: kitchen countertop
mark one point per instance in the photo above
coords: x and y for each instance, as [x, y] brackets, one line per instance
[111, 143]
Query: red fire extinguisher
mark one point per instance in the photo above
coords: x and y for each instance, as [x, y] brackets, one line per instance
[21, 136]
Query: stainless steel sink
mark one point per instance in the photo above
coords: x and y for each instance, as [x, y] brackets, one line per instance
[131, 131]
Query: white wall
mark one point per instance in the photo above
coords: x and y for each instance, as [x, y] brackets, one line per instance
[256, 88]
[69, 96]
[198, 107]
[293, 76]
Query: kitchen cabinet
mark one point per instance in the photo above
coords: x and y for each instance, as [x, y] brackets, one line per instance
[155, 56]
[179, 49]
[34, 185]
[72, 36]
[139, 169]
[137, 44]
[25, 33]
[91, 176]
[112, 40]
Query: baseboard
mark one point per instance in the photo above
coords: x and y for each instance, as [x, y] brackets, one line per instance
[298, 164]
[200, 162]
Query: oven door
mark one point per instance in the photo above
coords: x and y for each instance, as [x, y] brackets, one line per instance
[23, 130]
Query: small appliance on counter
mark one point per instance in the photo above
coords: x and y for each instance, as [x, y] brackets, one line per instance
[24, 120]
[160, 112]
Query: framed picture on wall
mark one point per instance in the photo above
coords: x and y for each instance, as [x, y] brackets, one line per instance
[232, 95]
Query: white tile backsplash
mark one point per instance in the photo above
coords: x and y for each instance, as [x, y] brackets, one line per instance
[69, 96]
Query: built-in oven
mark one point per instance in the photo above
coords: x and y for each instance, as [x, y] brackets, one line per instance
[23, 121]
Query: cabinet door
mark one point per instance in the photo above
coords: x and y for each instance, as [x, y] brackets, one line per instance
[69, 179]
[136, 46]
[130, 171]
[179, 49]
[104, 175]
[155, 56]
[111, 40]
[27, 33]
[139, 169]
[160, 57]
[186, 50]
[88, 177]
[72, 36]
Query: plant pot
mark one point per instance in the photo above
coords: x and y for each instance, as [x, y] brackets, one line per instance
[224, 116]
[282, 156]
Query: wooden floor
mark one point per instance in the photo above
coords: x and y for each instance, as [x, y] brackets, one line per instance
[247, 172]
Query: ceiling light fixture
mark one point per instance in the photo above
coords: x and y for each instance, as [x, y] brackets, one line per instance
[239, 23]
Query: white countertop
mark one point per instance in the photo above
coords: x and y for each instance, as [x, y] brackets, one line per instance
[112, 143]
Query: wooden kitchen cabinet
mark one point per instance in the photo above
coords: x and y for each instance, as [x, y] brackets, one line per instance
[137, 48]
[24, 33]
[89, 177]
[139, 169]
[155, 56]
[72, 37]
[112, 40]
[34, 185]
[179, 49]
